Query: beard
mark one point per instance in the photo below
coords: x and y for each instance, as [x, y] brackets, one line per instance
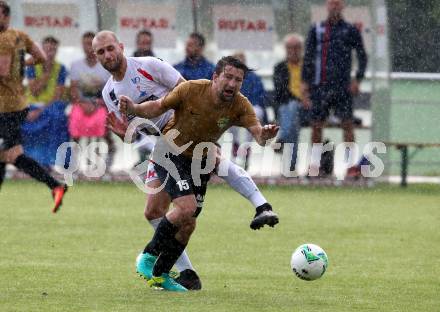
[113, 66]
[226, 98]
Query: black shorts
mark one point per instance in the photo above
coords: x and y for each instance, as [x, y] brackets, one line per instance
[10, 128]
[185, 185]
[336, 98]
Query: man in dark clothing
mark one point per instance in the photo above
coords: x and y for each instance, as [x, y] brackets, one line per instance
[144, 44]
[195, 65]
[327, 72]
[288, 96]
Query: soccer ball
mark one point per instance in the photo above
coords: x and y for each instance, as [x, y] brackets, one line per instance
[309, 262]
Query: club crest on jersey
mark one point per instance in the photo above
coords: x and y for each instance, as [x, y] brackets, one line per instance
[222, 122]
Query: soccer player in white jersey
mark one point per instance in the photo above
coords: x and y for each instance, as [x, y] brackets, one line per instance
[147, 78]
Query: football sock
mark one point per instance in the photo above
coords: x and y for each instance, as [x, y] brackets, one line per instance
[164, 233]
[183, 263]
[32, 168]
[168, 257]
[242, 183]
[2, 172]
[155, 222]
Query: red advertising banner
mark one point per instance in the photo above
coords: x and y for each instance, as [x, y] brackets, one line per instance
[55, 19]
[160, 20]
[244, 27]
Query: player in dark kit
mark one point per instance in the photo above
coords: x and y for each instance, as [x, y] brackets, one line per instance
[146, 78]
[203, 111]
[14, 44]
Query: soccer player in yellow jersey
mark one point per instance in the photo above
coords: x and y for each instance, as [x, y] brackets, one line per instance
[203, 111]
[14, 45]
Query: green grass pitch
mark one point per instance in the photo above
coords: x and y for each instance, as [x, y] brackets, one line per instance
[383, 246]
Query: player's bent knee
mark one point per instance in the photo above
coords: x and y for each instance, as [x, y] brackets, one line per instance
[151, 212]
[157, 204]
[186, 206]
[155, 209]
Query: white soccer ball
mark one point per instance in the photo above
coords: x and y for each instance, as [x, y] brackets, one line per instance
[309, 262]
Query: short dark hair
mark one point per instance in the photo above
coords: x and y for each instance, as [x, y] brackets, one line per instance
[143, 32]
[232, 61]
[199, 37]
[51, 39]
[88, 34]
[5, 8]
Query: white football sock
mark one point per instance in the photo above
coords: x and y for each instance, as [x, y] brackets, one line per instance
[242, 183]
[183, 263]
[155, 222]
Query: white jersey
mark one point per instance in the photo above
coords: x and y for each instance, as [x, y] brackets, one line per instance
[146, 78]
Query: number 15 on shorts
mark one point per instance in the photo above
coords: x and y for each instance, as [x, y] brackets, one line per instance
[183, 185]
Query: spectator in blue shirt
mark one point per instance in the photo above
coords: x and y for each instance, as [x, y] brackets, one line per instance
[195, 65]
[253, 89]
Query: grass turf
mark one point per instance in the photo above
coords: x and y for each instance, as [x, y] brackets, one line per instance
[383, 246]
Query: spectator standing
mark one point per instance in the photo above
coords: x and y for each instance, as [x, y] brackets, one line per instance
[45, 128]
[144, 47]
[253, 89]
[144, 44]
[327, 73]
[195, 65]
[288, 95]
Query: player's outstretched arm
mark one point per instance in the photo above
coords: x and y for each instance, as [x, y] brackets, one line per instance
[37, 55]
[263, 133]
[148, 109]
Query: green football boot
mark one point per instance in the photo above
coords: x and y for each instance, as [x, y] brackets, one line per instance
[165, 282]
[144, 265]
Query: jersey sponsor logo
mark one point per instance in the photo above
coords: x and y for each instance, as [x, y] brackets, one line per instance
[222, 122]
[145, 74]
